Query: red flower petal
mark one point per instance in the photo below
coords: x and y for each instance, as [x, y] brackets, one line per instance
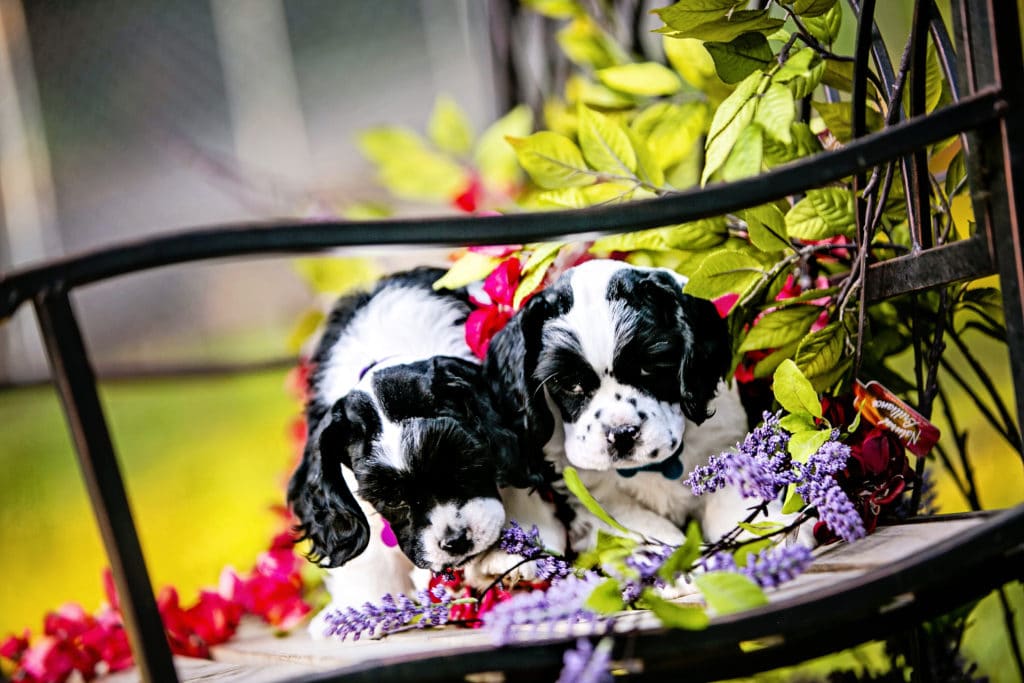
[725, 303]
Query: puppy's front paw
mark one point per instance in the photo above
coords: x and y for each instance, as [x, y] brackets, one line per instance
[485, 569]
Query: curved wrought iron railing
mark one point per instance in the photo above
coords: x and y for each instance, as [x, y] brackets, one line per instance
[987, 82]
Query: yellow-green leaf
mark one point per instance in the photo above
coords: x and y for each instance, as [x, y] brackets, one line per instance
[534, 270]
[673, 615]
[606, 598]
[449, 128]
[576, 487]
[647, 167]
[552, 160]
[812, 8]
[586, 45]
[699, 19]
[555, 9]
[731, 118]
[746, 156]
[333, 275]
[780, 327]
[495, 158]
[605, 143]
[793, 502]
[826, 26]
[794, 392]
[724, 272]
[802, 445]
[729, 592]
[802, 72]
[821, 351]
[837, 118]
[641, 78]
[671, 130]
[821, 214]
[766, 227]
[303, 330]
[471, 267]
[692, 61]
[776, 111]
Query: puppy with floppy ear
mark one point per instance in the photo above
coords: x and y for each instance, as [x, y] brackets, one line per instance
[615, 371]
[404, 455]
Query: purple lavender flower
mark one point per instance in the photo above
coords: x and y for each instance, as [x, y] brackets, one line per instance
[517, 541]
[646, 561]
[587, 664]
[551, 568]
[720, 562]
[760, 467]
[563, 601]
[631, 591]
[834, 507]
[389, 615]
[777, 565]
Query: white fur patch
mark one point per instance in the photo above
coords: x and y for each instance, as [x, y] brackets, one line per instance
[481, 518]
[406, 322]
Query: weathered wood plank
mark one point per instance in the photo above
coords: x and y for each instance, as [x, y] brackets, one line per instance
[256, 649]
[192, 670]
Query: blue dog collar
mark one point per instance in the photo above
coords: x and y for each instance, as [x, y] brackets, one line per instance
[671, 468]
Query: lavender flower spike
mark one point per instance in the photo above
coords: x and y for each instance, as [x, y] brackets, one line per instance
[586, 664]
[774, 566]
[389, 615]
[563, 601]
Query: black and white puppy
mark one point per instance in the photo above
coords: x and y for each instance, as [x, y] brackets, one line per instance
[399, 429]
[613, 370]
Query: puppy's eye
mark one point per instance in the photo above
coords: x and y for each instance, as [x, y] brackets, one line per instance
[576, 390]
[646, 371]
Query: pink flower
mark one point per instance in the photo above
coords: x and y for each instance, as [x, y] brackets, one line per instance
[14, 646]
[724, 304]
[214, 619]
[496, 250]
[52, 660]
[491, 316]
[469, 199]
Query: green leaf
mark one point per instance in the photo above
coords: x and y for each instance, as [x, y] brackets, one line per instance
[955, 173]
[534, 270]
[731, 118]
[802, 72]
[691, 60]
[682, 558]
[761, 528]
[673, 615]
[729, 592]
[552, 160]
[647, 166]
[826, 27]
[821, 351]
[555, 9]
[641, 78]
[333, 275]
[408, 168]
[767, 366]
[837, 117]
[672, 130]
[702, 234]
[802, 445]
[838, 75]
[794, 392]
[793, 502]
[746, 155]
[805, 143]
[812, 8]
[605, 143]
[766, 227]
[606, 598]
[471, 267]
[495, 158]
[736, 59]
[586, 45]
[821, 214]
[776, 112]
[303, 330]
[724, 272]
[795, 423]
[687, 19]
[449, 128]
[780, 327]
[743, 552]
[579, 89]
[576, 487]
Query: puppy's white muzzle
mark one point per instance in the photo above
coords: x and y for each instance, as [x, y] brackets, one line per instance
[457, 533]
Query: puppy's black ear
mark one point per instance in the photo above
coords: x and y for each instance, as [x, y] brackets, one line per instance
[705, 337]
[329, 515]
[706, 356]
[461, 382]
[511, 360]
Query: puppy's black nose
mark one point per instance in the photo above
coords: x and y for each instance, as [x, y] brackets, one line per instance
[456, 542]
[622, 439]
